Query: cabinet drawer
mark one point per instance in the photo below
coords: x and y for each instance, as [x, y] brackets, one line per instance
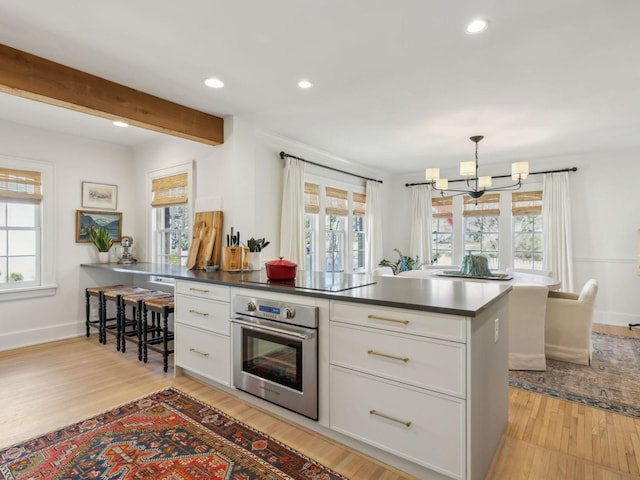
[204, 353]
[374, 411]
[207, 314]
[203, 290]
[446, 327]
[420, 361]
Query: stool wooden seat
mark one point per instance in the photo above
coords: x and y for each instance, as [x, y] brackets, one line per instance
[136, 300]
[162, 306]
[102, 310]
[115, 295]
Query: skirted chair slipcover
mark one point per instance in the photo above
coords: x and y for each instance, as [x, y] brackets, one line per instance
[527, 307]
[568, 324]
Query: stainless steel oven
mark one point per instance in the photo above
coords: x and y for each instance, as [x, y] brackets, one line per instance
[275, 352]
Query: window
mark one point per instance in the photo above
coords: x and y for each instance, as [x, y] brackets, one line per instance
[334, 226]
[482, 227]
[442, 234]
[526, 212]
[358, 256]
[26, 267]
[170, 218]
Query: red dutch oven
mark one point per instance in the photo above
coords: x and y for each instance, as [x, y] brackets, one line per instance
[281, 269]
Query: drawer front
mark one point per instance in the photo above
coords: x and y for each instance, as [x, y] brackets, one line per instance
[203, 290]
[205, 353]
[446, 327]
[207, 314]
[374, 411]
[420, 361]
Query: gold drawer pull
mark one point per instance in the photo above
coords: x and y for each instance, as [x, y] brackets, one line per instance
[204, 354]
[386, 319]
[200, 290]
[403, 422]
[402, 359]
[196, 312]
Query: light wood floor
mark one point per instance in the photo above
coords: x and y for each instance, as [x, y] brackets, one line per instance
[47, 386]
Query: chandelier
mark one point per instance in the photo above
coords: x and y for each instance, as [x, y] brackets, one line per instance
[477, 186]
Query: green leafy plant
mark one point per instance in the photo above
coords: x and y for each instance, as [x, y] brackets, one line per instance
[100, 238]
[403, 263]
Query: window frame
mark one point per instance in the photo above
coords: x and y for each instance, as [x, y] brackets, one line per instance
[45, 250]
[151, 216]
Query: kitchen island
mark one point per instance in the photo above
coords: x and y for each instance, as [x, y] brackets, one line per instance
[444, 404]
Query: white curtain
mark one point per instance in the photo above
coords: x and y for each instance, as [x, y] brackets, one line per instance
[420, 240]
[292, 219]
[556, 217]
[373, 225]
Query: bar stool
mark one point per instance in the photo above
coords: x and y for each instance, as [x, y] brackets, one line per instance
[160, 306]
[100, 324]
[136, 301]
[115, 295]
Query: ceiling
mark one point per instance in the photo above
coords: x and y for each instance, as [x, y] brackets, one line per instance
[398, 86]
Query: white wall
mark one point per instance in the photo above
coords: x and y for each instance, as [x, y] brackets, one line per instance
[31, 321]
[606, 217]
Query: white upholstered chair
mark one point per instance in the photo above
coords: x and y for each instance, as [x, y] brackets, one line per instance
[380, 271]
[568, 324]
[527, 307]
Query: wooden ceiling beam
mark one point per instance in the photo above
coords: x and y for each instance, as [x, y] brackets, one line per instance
[36, 78]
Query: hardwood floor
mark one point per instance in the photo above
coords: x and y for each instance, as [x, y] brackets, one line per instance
[47, 386]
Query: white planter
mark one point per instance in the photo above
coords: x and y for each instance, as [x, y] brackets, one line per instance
[103, 257]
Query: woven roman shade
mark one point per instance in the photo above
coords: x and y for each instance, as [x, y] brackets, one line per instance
[487, 205]
[442, 207]
[336, 201]
[169, 190]
[526, 203]
[311, 198]
[359, 204]
[20, 185]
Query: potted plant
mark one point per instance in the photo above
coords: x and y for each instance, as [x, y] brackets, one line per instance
[100, 238]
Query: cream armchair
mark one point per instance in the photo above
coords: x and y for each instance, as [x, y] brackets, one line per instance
[527, 308]
[569, 323]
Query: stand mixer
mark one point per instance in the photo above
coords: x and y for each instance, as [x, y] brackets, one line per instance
[126, 257]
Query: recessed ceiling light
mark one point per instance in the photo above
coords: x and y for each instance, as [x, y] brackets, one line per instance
[477, 26]
[305, 84]
[214, 82]
[120, 123]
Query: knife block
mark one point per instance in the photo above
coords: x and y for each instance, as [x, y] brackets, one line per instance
[235, 259]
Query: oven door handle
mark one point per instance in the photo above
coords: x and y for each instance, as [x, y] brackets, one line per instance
[280, 331]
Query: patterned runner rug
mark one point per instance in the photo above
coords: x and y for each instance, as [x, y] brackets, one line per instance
[166, 435]
[612, 382]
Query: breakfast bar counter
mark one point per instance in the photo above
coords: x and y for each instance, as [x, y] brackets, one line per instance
[430, 294]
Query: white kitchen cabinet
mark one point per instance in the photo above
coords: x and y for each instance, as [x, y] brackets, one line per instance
[426, 387]
[421, 426]
[202, 331]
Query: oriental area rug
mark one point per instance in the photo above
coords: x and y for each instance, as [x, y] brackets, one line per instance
[611, 382]
[166, 435]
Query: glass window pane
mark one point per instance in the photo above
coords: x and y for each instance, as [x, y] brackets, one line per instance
[22, 242]
[3, 269]
[22, 269]
[21, 215]
[3, 243]
[3, 214]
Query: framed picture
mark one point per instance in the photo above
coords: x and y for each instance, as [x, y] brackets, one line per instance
[88, 219]
[99, 195]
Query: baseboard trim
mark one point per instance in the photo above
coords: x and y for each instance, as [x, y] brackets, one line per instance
[37, 336]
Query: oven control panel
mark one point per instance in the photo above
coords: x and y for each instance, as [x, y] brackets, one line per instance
[303, 315]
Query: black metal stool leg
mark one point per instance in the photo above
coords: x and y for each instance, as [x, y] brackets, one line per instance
[88, 309]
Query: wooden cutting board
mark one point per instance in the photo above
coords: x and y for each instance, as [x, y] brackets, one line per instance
[194, 248]
[207, 226]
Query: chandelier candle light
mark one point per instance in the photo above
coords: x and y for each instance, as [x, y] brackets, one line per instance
[477, 185]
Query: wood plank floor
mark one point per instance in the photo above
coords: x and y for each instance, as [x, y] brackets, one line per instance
[47, 386]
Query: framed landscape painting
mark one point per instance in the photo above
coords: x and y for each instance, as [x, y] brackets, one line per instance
[99, 195]
[88, 219]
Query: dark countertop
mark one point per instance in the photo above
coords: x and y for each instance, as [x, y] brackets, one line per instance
[433, 295]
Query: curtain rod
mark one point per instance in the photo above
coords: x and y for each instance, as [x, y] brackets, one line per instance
[283, 155]
[572, 169]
